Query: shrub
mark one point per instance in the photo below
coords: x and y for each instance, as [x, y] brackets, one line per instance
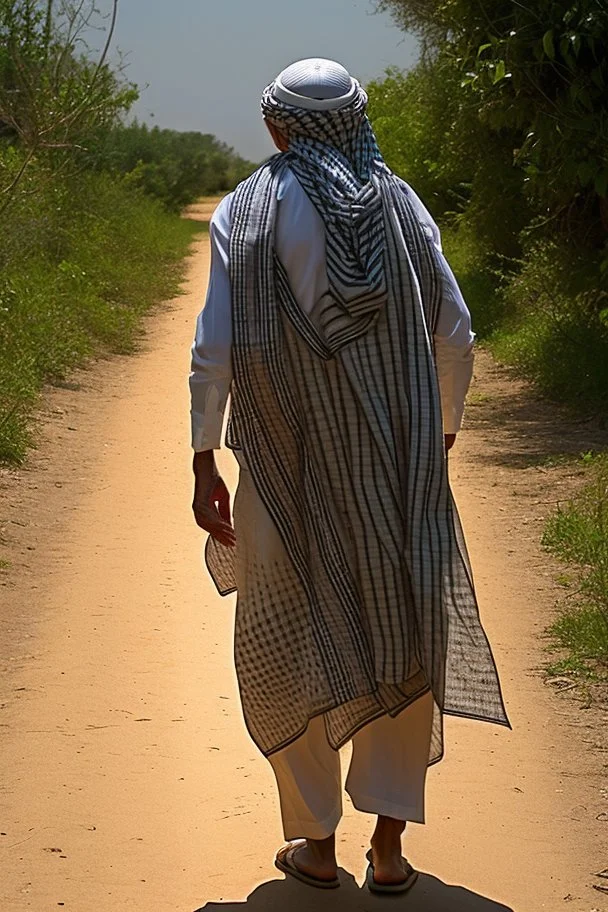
[556, 331]
[479, 278]
[502, 128]
[88, 273]
[578, 535]
[173, 167]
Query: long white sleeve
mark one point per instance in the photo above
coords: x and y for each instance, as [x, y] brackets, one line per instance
[453, 337]
[300, 243]
[454, 355]
[211, 371]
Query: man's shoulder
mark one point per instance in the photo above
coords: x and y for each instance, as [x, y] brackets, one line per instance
[424, 217]
[220, 220]
[288, 184]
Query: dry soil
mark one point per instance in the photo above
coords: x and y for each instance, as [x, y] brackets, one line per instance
[128, 782]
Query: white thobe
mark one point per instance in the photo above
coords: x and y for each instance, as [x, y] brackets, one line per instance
[386, 776]
[300, 246]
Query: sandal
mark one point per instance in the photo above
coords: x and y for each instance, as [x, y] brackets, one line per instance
[411, 877]
[285, 862]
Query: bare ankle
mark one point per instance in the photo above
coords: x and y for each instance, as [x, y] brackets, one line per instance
[323, 849]
[386, 839]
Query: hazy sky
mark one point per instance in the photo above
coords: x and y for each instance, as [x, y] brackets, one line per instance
[205, 62]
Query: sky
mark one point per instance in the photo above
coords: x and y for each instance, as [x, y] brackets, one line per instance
[202, 64]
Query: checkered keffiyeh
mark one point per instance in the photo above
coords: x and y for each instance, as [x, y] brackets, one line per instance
[365, 600]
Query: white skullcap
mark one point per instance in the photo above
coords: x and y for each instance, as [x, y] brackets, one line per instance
[315, 84]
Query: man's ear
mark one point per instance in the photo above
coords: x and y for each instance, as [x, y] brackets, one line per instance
[278, 137]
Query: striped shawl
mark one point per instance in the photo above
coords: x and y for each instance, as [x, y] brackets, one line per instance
[368, 601]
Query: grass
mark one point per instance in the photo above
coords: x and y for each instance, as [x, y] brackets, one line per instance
[555, 326]
[92, 259]
[578, 535]
[545, 318]
[477, 279]
[580, 634]
[546, 315]
[567, 359]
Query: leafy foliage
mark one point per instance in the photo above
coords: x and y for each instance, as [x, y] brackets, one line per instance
[174, 167]
[430, 132]
[554, 331]
[87, 242]
[578, 535]
[53, 100]
[504, 128]
[98, 254]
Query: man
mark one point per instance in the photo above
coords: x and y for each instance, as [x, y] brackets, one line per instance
[336, 324]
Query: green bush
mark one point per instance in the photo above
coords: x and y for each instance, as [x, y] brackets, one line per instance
[534, 75]
[430, 134]
[502, 129]
[578, 535]
[556, 330]
[90, 238]
[88, 273]
[176, 168]
[479, 278]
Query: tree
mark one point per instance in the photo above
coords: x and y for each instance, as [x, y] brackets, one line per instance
[504, 126]
[174, 167]
[536, 74]
[53, 98]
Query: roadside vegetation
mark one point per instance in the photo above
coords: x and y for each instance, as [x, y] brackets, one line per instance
[502, 128]
[91, 235]
[578, 535]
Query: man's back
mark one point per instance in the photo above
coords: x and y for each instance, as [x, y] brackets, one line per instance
[338, 327]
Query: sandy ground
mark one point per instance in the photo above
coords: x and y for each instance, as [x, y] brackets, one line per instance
[127, 779]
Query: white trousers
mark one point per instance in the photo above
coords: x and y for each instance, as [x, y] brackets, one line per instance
[387, 773]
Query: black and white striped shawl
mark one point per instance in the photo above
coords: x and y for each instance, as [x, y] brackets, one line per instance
[370, 600]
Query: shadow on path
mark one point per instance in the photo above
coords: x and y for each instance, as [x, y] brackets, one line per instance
[428, 895]
[523, 429]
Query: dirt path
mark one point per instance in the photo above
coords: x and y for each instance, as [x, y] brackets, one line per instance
[127, 779]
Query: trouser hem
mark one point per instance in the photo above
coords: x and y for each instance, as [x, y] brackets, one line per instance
[312, 829]
[368, 805]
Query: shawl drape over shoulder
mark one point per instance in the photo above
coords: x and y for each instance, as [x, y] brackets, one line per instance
[365, 599]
